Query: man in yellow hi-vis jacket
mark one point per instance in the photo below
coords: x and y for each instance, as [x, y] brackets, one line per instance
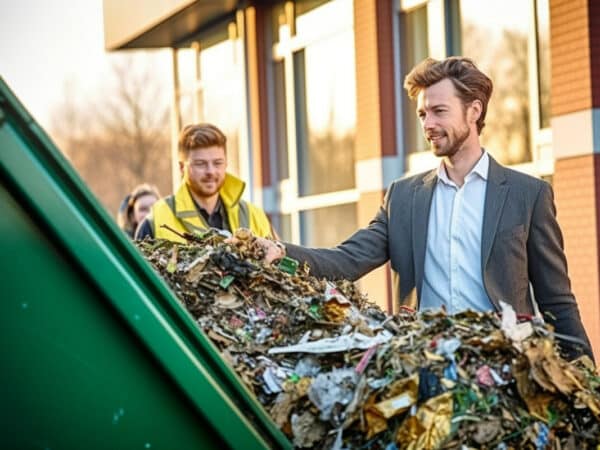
[208, 196]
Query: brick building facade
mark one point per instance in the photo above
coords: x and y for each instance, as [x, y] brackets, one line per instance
[294, 81]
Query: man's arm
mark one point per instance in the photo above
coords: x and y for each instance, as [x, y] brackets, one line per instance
[547, 267]
[362, 252]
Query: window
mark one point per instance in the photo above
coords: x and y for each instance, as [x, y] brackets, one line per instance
[212, 89]
[325, 227]
[509, 41]
[503, 27]
[223, 95]
[325, 115]
[314, 86]
[414, 37]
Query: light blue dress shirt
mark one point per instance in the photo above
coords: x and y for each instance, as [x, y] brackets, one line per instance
[453, 275]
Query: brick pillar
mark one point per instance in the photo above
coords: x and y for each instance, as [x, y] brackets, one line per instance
[575, 48]
[376, 159]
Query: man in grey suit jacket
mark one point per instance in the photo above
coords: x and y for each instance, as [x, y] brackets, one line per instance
[467, 235]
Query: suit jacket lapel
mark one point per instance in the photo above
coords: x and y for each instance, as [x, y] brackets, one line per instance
[421, 206]
[495, 197]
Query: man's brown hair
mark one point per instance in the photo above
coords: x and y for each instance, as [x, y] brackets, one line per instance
[200, 135]
[470, 82]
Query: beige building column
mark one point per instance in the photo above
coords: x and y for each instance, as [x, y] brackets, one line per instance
[255, 25]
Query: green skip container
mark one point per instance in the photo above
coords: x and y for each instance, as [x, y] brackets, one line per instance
[97, 353]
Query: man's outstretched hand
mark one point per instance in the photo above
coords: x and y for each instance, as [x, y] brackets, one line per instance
[273, 249]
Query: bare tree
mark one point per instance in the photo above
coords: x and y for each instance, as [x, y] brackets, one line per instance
[120, 140]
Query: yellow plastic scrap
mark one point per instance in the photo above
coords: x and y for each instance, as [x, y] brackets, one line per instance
[375, 422]
[588, 399]
[404, 394]
[408, 433]
[401, 395]
[335, 311]
[429, 427]
[172, 264]
[433, 356]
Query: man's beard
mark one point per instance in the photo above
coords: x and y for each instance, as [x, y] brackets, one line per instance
[452, 145]
[201, 190]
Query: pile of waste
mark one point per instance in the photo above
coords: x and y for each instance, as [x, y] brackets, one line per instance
[335, 371]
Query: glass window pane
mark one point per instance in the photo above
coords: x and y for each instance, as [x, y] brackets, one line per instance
[453, 45]
[414, 50]
[325, 114]
[282, 223]
[221, 74]
[326, 227]
[494, 35]
[186, 109]
[544, 69]
[186, 72]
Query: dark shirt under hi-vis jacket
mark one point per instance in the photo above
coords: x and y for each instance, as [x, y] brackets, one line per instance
[180, 213]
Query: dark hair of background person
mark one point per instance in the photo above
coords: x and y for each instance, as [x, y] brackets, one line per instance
[125, 216]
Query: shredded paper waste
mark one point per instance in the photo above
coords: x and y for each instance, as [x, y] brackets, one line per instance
[334, 371]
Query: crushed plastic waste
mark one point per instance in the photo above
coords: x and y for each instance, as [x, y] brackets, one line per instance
[334, 371]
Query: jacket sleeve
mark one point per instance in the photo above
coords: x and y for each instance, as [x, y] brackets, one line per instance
[144, 229]
[547, 266]
[362, 252]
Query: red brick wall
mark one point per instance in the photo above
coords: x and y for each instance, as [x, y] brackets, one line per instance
[571, 84]
[576, 188]
[575, 50]
[367, 81]
[373, 40]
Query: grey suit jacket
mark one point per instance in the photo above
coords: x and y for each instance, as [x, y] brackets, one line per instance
[521, 243]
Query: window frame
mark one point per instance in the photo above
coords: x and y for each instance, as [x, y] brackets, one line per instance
[440, 36]
[232, 31]
[290, 201]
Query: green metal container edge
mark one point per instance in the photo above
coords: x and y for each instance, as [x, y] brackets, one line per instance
[45, 184]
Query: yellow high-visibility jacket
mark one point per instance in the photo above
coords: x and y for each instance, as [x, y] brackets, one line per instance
[179, 212]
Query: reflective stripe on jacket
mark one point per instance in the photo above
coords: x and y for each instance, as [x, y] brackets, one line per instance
[179, 212]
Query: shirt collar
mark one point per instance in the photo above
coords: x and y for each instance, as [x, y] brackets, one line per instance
[218, 207]
[481, 168]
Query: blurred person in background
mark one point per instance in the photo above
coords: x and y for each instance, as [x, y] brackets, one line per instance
[136, 206]
[208, 196]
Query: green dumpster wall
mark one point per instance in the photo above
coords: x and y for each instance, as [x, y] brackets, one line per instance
[72, 376]
[97, 352]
